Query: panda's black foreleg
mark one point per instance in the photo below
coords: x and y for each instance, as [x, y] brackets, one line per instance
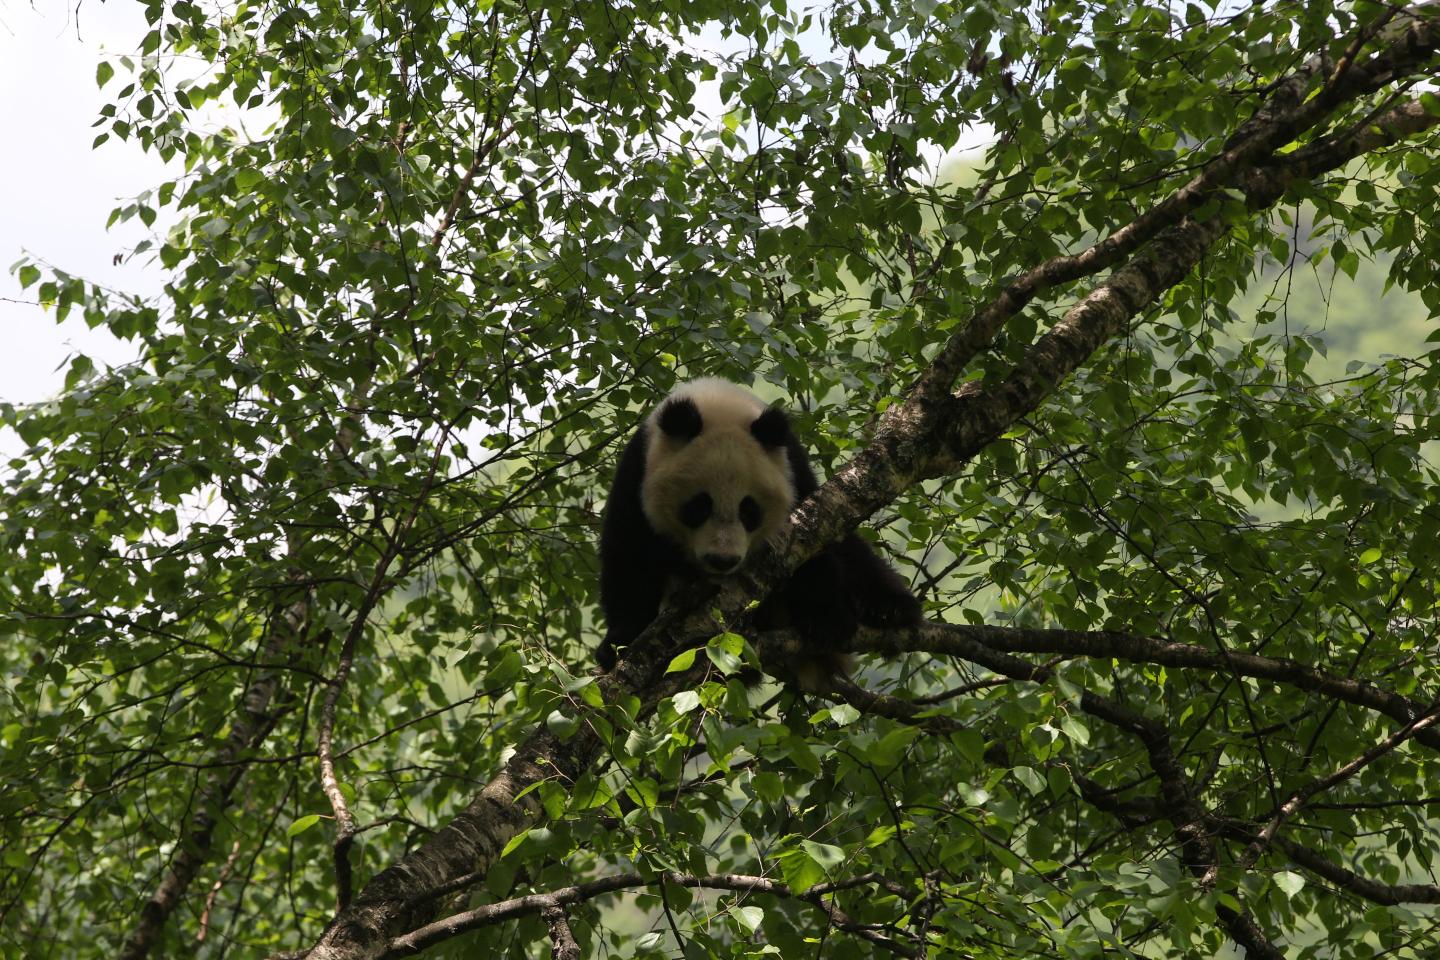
[616, 639]
[631, 597]
[878, 596]
[817, 609]
[632, 558]
[810, 603]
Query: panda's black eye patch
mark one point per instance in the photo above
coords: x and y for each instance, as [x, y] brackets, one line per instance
[750, 514]
[696, 510]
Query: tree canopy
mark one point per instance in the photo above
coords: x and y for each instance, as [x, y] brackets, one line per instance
[298, 611]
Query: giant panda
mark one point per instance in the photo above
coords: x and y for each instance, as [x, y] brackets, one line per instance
[709, 476]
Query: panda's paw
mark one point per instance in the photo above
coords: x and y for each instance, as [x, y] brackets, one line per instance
[605, 655]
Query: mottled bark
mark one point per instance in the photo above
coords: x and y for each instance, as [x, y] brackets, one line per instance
[562, 941]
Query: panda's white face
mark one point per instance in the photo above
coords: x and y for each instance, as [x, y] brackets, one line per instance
[710, 486]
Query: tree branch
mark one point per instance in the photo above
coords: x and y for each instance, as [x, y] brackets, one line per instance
[1352, 882]
[1192, 821]
[1335, 777]
[562, 941]
[490, 914]
[992, 648]
[927, 433]
[252, 724]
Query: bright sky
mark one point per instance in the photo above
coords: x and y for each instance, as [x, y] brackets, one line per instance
[57, 193]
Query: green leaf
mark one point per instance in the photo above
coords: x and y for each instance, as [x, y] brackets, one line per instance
[1059, 781]
[1033, 781]
[301, 824]
[247, 178]
[505, 670]
[800, 870]
[643, 791]
[1289, 883]
[725, 652]
[561, 724]
[514, 843]
[749, 917]
[890, 749]
[683, 661]
[103, 73]
[824, 854]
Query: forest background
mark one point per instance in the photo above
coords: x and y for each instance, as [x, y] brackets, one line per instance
[298, 607]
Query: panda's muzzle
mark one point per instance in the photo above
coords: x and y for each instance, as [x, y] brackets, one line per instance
[721, 563]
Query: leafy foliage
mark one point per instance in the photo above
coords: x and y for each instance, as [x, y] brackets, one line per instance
[343, 509]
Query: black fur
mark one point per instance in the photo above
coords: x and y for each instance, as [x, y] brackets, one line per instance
[635, 561]
[681, 419]
[697, 510]
[877, 595]
[771, 428]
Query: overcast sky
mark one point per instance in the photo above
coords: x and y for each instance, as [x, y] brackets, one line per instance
[55, 192]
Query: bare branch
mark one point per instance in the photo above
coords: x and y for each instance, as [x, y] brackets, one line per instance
[1335, 777]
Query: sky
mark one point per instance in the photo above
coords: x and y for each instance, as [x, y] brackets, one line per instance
[55, 192]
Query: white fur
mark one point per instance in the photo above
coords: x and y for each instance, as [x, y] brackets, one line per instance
[725, 461]
[721, 403]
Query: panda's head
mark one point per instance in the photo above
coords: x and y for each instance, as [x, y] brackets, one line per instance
[718, 481]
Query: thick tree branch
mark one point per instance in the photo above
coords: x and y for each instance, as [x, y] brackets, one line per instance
[494, 913]
[1286, 113]
[994, 649]
[930, 432]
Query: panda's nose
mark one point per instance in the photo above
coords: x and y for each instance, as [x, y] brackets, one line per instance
[721, 562]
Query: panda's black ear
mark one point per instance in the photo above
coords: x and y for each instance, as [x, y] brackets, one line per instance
[771, 428]
[680, 419]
